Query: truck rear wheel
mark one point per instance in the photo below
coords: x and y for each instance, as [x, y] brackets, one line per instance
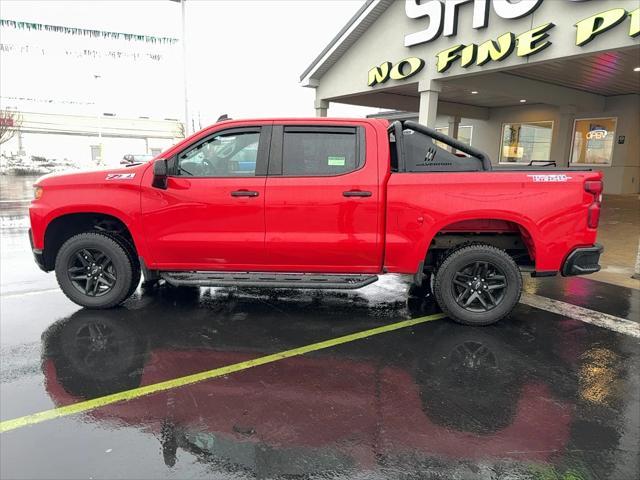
[95, 271]
[478, 285]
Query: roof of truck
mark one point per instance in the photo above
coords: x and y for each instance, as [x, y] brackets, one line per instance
[248, 122]
[303, 119]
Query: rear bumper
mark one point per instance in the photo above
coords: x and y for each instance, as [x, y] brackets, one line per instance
[583, 261]
[37, 254]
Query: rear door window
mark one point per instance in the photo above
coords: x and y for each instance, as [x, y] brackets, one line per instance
[320, 151]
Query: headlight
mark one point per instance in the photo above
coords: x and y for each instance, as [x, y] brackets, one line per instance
[37, 192]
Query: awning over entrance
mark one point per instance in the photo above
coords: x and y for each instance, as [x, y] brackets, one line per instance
[583, 82]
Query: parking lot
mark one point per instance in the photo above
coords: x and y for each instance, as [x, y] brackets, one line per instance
[364, 240]
[363, 384]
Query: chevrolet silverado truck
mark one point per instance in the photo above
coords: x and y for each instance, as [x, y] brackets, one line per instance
[318, 203]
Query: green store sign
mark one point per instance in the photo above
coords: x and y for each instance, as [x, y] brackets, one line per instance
[525, 44]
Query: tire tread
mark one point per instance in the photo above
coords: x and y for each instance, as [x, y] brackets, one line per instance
[133, 259]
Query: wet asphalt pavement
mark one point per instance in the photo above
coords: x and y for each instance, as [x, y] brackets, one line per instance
[538, 396]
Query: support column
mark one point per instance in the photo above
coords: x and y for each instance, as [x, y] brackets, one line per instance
[429, 91]
[321, 107]
[454, 126]
[562, 137]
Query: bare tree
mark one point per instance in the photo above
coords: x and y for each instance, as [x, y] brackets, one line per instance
[181, 130]
[10, 123]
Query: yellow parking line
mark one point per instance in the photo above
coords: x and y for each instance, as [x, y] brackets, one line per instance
[199, 377]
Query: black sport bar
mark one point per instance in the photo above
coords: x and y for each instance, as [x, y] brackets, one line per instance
[452, 142]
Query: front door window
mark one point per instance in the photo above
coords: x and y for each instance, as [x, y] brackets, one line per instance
[224, 155]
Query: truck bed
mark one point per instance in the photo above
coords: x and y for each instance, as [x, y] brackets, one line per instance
[550, 207]
[537, 168]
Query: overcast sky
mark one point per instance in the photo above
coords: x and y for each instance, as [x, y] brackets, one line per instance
[244, 57]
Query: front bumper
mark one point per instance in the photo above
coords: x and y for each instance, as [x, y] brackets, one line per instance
[38, 255]
[583, 261]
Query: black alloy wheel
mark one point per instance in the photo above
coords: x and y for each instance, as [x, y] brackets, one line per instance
[92, 272]
[96, 270]
[479, 286]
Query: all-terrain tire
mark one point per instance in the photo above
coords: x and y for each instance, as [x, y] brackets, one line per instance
[122, 267]
[447, 292]
[131, 252]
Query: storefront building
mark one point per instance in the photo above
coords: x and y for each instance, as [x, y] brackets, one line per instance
[526, 81]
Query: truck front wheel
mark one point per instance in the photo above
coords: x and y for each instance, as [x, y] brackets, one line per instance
[95, 271]
[478, 285]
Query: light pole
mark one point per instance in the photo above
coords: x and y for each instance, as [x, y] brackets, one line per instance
[97, 78]
[187, 120]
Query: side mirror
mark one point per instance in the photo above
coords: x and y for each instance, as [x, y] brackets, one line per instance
[160, 174]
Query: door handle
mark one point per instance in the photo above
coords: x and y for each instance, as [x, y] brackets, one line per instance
[244, 193]
[356, 193]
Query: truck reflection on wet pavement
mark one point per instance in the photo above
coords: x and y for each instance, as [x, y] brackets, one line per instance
[537, 396]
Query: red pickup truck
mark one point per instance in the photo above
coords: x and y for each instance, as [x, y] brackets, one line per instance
[318, 203]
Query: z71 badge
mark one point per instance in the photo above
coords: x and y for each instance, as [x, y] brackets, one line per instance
[120, 176]
[550, 178]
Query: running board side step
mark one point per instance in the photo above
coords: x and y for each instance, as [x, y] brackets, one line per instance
[269, 279]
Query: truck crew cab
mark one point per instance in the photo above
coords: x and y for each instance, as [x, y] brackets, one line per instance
[318, 203]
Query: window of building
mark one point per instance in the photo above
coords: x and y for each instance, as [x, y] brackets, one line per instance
[231, 154]
[465, 134]
[526, 142]
[319, 153]
[593, 140]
